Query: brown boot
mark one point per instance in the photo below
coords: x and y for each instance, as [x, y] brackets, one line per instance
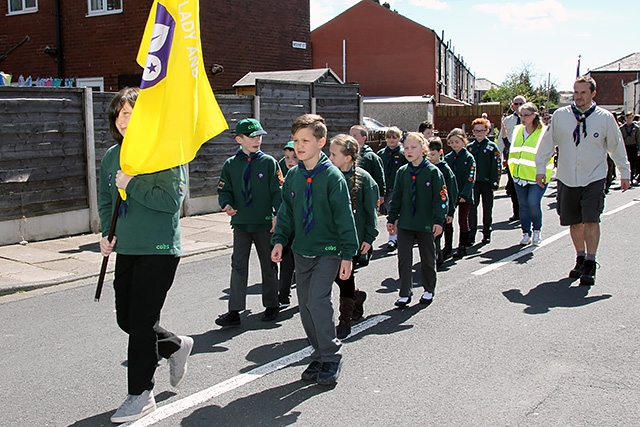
[346, 311]
[358, 309]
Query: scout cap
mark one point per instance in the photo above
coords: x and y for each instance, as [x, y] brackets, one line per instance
[250, 128]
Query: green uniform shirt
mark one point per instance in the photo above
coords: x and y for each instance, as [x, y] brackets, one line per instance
[431, 199]
[149, 220]
[463, 166]
[488, 161]
[334, 232]
[392, 159]
[365, 206]
[370, 162]
[452, 185]
[265, 179]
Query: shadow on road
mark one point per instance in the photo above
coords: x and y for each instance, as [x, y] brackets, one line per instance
[104, 419]
[244, 411]
[548, 295]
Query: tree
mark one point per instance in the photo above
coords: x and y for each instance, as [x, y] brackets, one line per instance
[525, 82]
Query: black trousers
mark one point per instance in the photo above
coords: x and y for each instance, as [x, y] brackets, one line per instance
[141, 284]
[481, 192]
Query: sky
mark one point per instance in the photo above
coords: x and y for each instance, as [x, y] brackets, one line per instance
[496, 38]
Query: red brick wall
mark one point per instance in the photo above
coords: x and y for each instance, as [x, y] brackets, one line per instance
[241, 36]
[387, 54]
[609, 88]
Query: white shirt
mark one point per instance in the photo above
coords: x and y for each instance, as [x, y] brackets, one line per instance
[581, 165]
[507, 130]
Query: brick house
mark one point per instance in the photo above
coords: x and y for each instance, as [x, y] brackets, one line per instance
[97, 41]
[388, 54]
[612, 77]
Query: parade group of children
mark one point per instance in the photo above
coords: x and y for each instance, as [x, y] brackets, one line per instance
[317, 216]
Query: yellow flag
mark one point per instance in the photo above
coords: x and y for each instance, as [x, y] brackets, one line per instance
[176, 111]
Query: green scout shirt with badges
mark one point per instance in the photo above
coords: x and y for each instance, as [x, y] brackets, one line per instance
[149, 220]
[463, 166]
[392, 159]
[488, 161]
[370, 162]
[452, 185]
[251, 185]
[365, 204]
[333, 231]
[419, 198]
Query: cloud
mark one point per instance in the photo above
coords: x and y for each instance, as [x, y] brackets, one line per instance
[430, 4]
[323, 11]
[538, 15]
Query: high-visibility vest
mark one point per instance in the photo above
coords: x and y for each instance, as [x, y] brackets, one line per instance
[522, 154]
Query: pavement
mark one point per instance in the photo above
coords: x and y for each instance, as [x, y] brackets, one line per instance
[51, 262]
[46, 263]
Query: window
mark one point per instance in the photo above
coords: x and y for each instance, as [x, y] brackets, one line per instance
[95, 83]
[23, 6]
[103, 7]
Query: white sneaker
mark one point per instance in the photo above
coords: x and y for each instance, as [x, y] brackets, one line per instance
[526, 239]
[134, 407]
[178, 361]
[537, 238]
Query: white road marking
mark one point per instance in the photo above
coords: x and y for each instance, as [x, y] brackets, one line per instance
[529, 249]
[178, 406]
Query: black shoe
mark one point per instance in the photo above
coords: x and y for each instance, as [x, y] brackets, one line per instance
[514, 217]
[391, 246]
[588, 277]
[231, 318]
[460, 252]
[486, 239]
[270, 314]
[343, 330]
[312, 371]
[446, 253]
[471, 240]
[329, 373]
[577, 271]
[426, 301]
[402, 304]
[358, 307]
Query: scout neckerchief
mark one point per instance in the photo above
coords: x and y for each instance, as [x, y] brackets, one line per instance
[307, 210]
[581, 118]
[414, 170]
[389, 153]
[246, 174]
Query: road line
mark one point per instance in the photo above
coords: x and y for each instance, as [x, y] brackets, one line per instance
[238, 381]
[529, 249]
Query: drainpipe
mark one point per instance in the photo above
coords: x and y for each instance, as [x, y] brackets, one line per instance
[58, 49]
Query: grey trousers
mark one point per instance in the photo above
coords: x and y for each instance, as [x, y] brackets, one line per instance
[242, 241]
[314, 281]
[427, 249]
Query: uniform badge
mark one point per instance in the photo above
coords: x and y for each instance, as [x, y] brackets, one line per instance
[220, 185]
[280, 176]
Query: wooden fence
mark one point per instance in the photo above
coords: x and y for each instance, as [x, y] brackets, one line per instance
[53, 139]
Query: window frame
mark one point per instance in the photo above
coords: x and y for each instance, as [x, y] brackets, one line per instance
[103, 11]
[24, 9]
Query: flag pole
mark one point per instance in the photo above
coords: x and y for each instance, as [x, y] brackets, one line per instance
[105, 260]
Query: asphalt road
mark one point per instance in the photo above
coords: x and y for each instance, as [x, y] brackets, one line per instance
[513, 343]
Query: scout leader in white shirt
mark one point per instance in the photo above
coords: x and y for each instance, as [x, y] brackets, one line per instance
[582, 156]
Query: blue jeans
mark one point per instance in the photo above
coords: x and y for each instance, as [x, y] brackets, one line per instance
[530, 200]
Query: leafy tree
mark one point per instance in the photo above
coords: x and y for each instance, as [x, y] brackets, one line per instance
[524, 81]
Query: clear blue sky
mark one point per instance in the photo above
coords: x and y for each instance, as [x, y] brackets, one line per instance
[500, 37]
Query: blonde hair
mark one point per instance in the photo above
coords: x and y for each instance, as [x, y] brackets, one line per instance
[459, 133]
[420, 138]
[393, 131]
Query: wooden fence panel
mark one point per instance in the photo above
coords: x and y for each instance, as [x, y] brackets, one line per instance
[42, 152]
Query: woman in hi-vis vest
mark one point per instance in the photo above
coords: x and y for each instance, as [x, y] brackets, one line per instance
[522, 165]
